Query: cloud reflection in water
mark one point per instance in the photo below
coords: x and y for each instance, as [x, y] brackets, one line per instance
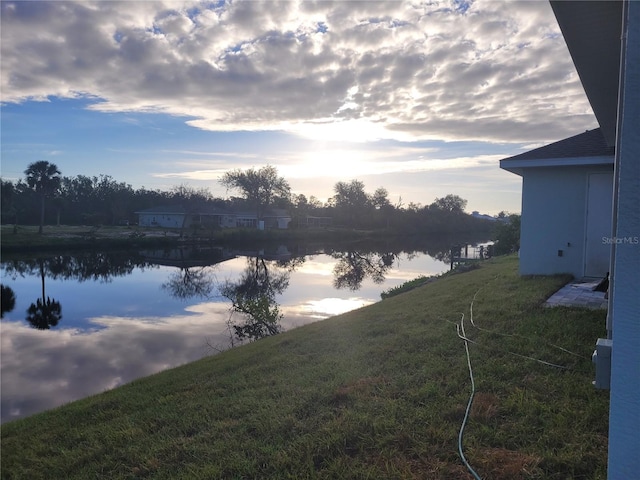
[67, 364]
[326, 307]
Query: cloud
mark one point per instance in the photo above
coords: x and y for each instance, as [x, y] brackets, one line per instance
[484, 70]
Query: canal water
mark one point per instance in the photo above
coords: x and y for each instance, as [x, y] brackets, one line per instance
[76, 325]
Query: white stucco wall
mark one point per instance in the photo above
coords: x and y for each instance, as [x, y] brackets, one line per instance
[283, 222]
[624, 301]
[228, 221]
[166, 220]
[554, 203]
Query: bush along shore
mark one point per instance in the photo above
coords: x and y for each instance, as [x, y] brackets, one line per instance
[379, 392]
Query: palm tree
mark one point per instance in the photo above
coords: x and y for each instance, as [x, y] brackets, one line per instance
[45, 313]
[44, 178]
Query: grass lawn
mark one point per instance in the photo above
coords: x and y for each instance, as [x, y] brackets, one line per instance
[26, 237]
[376, 393]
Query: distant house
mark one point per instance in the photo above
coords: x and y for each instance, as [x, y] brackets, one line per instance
[179, 217]
[482, 216]
[317, 222]
[245, 220]
[567, 191]
[166, 217]
[277, 218]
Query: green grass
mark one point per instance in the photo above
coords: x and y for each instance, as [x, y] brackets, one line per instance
[26, 238]
[376, 393]
[408, 285]
[422, 280]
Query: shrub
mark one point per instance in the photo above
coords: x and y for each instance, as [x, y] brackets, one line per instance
[506, 236]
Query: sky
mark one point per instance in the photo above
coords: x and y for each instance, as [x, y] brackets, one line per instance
[421, 98]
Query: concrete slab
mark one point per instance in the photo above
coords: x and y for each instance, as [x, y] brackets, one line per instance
[578, 294]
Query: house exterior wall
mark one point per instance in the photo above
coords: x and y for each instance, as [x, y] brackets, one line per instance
[277, 222]
[553, 229]
[165, 220]
[246, 221]
[222, 220]
[318, 221]
[624, 301]
[228, 221]
[283, 222]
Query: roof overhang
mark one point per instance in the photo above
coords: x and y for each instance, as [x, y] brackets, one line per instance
[592, 31]
[518, 166]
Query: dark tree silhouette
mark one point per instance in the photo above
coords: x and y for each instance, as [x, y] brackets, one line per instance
[44, 313]
[352, 202]
[261, 188]
[450, 203]
[8, 300]
[44, 178]
[7, 200]
[507, 235]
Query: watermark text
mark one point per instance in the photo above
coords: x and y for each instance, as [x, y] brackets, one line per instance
[621, 240]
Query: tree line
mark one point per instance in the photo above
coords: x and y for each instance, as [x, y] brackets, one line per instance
[45, 196]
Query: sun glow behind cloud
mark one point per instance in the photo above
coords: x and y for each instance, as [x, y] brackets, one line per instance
[353, 163]
[328, 159]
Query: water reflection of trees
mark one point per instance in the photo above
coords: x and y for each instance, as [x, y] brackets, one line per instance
[8, 300]
[253, 296]
[45, 312]
[373, 258]
[88, 266]
[190, 282]
[195, 277]
[353, 267]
